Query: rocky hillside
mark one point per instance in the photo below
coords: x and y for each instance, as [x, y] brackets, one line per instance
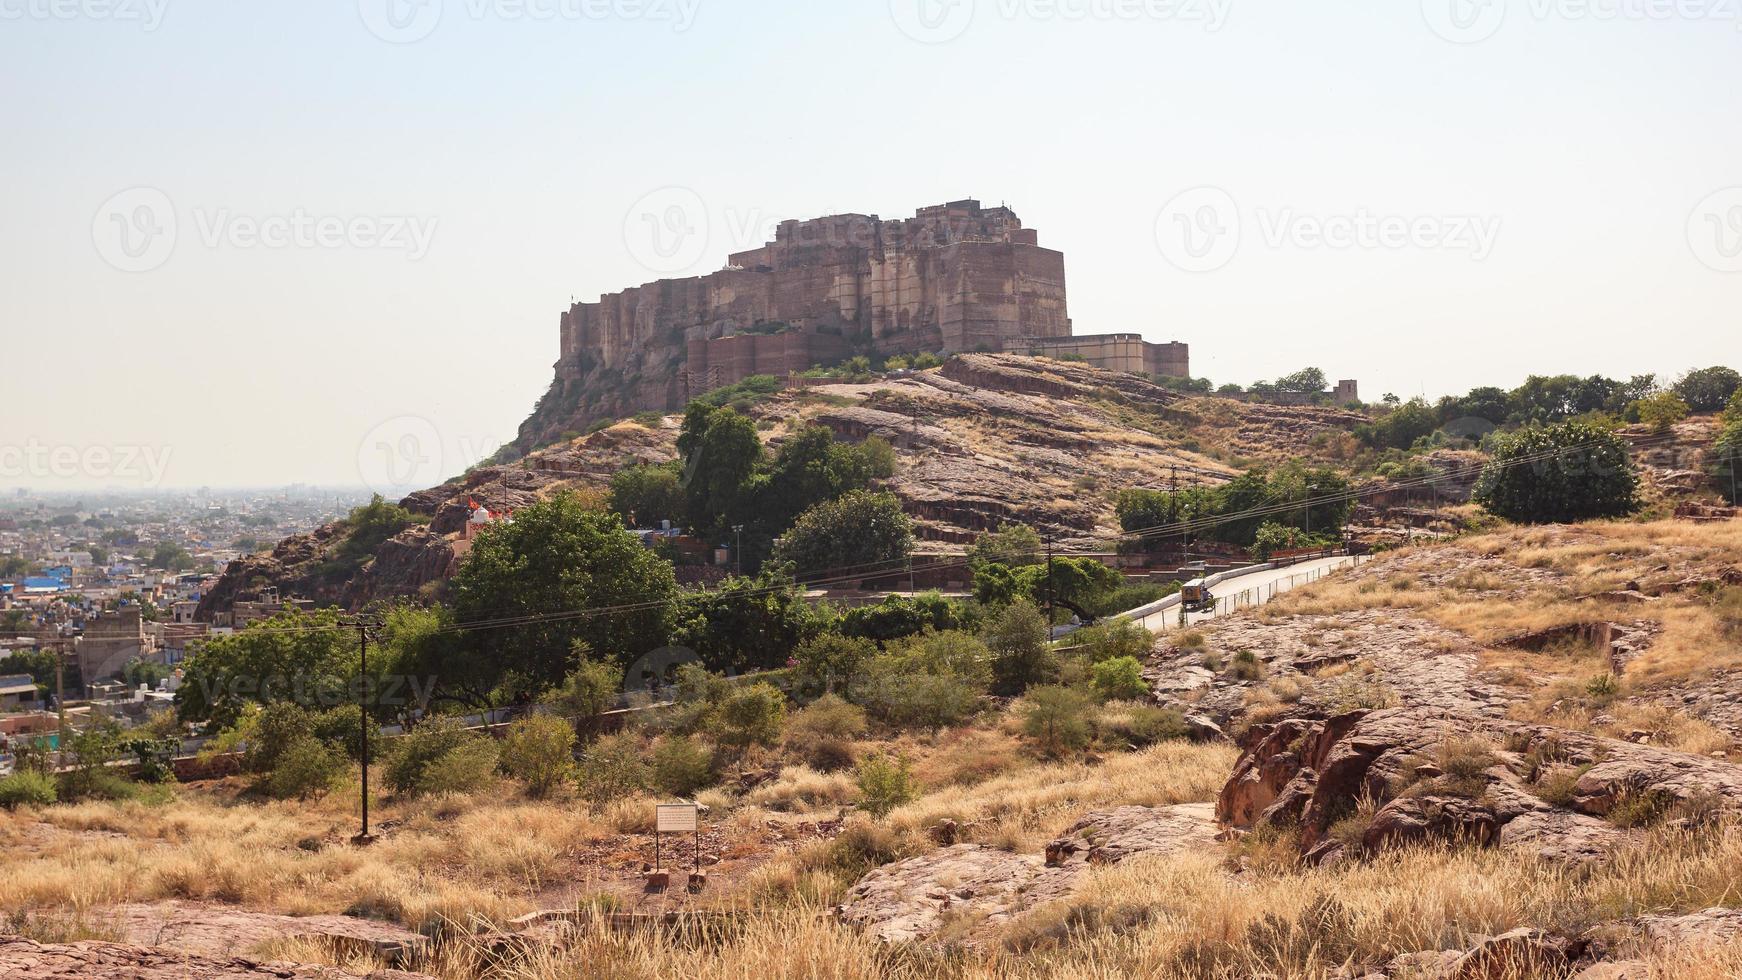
[986, 439]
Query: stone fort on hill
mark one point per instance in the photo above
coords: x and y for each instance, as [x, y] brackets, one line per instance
[955, 277]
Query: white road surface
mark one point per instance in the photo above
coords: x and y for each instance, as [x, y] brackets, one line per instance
[1254, 589]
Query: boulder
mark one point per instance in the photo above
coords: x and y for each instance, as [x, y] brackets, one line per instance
[79, 961]
[917, 898]
[1416, 819]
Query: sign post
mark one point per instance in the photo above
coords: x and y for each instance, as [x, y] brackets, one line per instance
[677, 818]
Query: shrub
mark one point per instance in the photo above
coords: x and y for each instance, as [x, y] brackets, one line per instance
[827, 717]
[1246, 666]
[682, 765]
[305, 768]
[1111, 640]
[1662, 410]
[885, 784]
[1566, 473]
[1018, 639]
[539, 750]
[750, 716]
[26, 788]
[831, 661]
[1056, 718]
[420, 762]
[468, 768]
[589, 690]
[1119, 679]
[612, 768]
[1641, 808]
[1148, 725]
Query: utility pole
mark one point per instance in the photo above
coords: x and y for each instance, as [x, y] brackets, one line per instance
[738, 548]
[1309, 509]
[1050, 587]
[363, 626]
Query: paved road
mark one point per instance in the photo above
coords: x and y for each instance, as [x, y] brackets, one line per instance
[1257, 587]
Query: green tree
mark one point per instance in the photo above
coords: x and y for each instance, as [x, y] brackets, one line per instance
[720, 451]
[830, 661]
[1661, 411]
[368, 527]
[749, 715]
[299, 657]
[1021, 654]
[647, 494]
[903, 616]
[1402, 426]
[1272, 538]
[861, 530]
[1057, 718]
[1733, 412]
[1708, 389]
[746, 623]
[1308, 381]
[1570, 472]
[560, 557]
[539, 750]
[172, 557]
[1013, 545]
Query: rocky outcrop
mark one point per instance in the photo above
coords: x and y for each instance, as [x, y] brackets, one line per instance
[216, 930]
[985, 889]
[23, 958]
[1311, 773]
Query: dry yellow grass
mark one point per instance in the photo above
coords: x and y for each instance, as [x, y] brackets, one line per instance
[1185, 916]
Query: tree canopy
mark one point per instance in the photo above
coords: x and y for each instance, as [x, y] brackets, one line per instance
[558, 556]
[1569, 472]
[860, 531]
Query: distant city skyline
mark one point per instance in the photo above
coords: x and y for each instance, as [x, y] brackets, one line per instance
[252, 247]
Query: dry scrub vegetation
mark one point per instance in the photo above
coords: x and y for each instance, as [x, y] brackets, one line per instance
[1195, 916]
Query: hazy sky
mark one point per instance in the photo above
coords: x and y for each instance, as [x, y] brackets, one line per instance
[271, 241]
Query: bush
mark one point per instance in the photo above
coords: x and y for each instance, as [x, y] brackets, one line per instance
[831, 661]
[750, 716]
[930, 681]
[823, 733]
[539, 750]
[1119, 679]
[612, 769]
[1022, 655]
[468, 768]
[682, 765]
[26, 789]
[1148, 725]
[1567, 473]
[827, 717]
[1247, 666]
[1056, 717]
[885, 784]
[305, 768]
[1661, 411]
[1108, 641]
[440, 756]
